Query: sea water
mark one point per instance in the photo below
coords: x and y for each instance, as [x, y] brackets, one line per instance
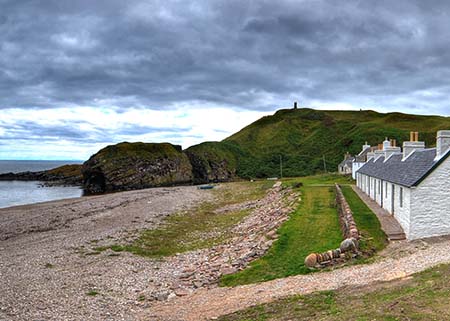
[14, 193]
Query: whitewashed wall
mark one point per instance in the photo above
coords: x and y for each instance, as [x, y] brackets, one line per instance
[355, 167]
[430, 202]
[375, 192]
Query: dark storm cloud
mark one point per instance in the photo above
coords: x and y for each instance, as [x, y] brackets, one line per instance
[247, 54]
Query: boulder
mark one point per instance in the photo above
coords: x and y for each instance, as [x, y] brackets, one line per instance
[311, 260]
[350, 244]
[128, 166]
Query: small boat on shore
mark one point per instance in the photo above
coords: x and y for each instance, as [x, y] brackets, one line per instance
[206, 187]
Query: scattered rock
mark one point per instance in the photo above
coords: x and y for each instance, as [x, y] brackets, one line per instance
[311, 260]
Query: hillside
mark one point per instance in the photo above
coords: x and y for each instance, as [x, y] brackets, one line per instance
[306, 140]
[303, 137]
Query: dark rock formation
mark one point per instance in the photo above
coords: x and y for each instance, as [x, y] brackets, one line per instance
[128, 166]
[63, 175]
[212, 162]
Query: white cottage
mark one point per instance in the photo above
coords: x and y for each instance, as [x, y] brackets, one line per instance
[413, 185]
[345, 167]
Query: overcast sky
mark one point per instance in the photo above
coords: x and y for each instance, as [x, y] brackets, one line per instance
[78, 75]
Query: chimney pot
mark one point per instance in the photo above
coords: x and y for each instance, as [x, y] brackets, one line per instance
[411, 136]
[442, 143]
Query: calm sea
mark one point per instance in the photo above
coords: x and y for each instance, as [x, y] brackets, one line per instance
[21, 193]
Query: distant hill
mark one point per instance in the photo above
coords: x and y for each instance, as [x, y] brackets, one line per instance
[304, 137]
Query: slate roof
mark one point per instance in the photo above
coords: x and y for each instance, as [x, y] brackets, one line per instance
[362, 156]
[407, 173]
[347, 162]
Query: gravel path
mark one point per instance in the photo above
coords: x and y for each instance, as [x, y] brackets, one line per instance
[46, 269]
[399, 260]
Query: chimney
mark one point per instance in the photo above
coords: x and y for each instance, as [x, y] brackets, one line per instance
[412, 145]
[365, 146]
[295, 105]
[386, 143]
[347, 156]
[390, 151]
[442, 143]
[378, 153]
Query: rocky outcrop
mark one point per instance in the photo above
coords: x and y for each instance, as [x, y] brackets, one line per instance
[212, 162]
[63, 175]
[128, 166]
[183, 273]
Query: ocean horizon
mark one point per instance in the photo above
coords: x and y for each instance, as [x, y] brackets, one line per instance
[14, 193]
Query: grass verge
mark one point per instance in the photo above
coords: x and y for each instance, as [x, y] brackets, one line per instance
[423, 297]
[373, 239]
[313, 227]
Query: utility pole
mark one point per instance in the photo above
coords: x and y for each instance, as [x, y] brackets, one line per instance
[281, 167]
[324, 164]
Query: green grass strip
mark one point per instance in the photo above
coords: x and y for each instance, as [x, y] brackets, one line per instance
[373, 239]
[313, 227]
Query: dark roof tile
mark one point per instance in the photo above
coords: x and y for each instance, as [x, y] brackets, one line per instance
[407, 172]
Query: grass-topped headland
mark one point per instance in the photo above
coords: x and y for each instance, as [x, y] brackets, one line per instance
[305, 137]
[300, 141]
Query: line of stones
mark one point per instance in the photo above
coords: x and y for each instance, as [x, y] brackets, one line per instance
[349, 231]
[348, 225]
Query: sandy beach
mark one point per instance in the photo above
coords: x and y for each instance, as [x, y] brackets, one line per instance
[45, 263]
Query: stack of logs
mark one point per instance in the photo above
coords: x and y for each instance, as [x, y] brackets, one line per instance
[349, 230]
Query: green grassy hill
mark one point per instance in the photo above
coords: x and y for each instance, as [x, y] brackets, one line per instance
[303, 137]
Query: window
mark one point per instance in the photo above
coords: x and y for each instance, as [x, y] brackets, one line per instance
[385, 188]
[401, 196]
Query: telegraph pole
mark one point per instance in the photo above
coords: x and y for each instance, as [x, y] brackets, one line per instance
[281, 167]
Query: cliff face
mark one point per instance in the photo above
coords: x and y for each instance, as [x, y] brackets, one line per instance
[128, 166]
[212, 162]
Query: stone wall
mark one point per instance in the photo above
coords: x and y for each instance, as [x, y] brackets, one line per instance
[348, 225]
[349, 231]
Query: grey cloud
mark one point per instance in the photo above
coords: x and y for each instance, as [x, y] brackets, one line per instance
[70, 131]
[226, 52]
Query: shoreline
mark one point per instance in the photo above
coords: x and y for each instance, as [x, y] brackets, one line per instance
[23, 193]
[45, 253]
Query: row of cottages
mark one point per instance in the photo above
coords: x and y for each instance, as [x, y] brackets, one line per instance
[413, 185]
